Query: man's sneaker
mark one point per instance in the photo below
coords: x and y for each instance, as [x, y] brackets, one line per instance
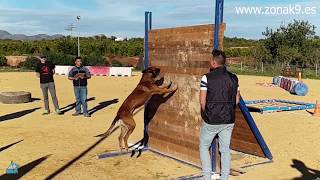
[58, 112]
[76, 114]
[86, 115]
[215, 176]
[46, 112]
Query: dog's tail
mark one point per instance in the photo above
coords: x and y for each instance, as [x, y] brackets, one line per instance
[111, 128]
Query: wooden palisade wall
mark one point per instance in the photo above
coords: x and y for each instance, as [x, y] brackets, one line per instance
[182, 54]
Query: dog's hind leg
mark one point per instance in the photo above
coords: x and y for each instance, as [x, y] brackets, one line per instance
[120, 138]
[129, 122]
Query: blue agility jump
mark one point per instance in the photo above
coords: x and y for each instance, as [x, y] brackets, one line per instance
[275, 105]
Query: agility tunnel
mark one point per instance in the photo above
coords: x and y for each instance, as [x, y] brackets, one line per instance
[276, 105]
[291, 85]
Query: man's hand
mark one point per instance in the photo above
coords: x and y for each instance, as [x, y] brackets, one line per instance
[38, 57]
[74, 78]
[81, 75]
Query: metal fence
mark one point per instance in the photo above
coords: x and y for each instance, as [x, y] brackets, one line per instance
[266, 69]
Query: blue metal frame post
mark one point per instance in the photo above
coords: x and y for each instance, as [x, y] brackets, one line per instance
[148, 27]
[221, 11]
[218, 21]
[150, 20]
[146, 39]
[246, 113]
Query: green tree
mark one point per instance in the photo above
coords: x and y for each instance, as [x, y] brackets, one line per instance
[2, 60]
[289, 55]
[293, 38]
[262, 54]
[94, 59]
[314, 57]
[30, 63]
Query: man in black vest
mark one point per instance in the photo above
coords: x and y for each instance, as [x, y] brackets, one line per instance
[219, 95]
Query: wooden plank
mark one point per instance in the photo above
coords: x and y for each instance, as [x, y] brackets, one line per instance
[176, 151]
[184, 70]
[187, 134]
[174, 140]
[185, 29]
[246, 147]
[186, 64]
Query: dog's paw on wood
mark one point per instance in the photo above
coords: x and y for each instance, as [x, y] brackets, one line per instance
[170, 84]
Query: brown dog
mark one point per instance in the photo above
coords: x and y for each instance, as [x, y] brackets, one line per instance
[139, 96]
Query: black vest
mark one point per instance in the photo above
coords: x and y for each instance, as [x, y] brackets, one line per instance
[79, 82]
[221, 97]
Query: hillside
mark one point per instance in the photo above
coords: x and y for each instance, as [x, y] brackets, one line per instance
[23, 37]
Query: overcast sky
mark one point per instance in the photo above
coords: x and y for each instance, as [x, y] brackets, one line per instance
[125, 18]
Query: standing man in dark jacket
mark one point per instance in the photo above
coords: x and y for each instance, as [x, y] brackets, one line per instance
[45, 72]
[79, 75]
[219, 95]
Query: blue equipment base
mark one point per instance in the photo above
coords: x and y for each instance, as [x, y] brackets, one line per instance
[276, 105]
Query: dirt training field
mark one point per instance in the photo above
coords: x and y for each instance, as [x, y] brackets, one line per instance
[65, 146]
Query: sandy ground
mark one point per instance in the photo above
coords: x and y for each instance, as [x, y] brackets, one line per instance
[65, 145]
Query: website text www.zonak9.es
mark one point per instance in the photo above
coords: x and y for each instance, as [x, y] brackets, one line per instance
[276, 10]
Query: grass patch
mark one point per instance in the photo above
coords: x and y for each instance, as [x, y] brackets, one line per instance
[13, 69]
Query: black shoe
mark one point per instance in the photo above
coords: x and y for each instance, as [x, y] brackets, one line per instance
[86, 115]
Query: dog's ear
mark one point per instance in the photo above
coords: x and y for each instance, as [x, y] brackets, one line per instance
[148, 70]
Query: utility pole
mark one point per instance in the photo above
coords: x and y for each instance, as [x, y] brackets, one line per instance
[78, 20]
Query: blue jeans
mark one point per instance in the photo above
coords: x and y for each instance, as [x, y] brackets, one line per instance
[207, 134]
[81, 98]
